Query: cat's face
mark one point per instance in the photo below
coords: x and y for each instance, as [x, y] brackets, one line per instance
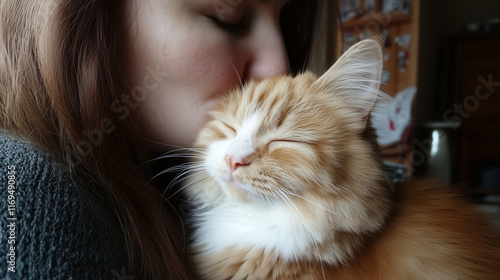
[283, 138]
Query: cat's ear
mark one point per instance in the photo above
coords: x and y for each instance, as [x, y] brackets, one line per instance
[356, 76]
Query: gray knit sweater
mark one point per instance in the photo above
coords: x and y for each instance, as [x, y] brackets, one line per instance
[51, 225]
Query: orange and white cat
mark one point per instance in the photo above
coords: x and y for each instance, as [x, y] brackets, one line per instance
[288, 183]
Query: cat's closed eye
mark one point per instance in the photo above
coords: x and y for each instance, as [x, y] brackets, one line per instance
[286, 143]
[232, 130]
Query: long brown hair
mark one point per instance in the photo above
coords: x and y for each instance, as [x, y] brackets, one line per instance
[60, 73]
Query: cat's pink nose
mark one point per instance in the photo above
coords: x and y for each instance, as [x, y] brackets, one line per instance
[234, 161]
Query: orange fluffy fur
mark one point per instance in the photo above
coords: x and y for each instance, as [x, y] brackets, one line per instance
[308, 161]
[432, 233]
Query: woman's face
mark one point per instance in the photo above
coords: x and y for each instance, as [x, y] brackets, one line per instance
[184, 54]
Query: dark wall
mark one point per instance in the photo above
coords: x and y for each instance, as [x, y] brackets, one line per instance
[438, 20]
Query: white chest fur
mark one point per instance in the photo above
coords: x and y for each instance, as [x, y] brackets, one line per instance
[276, 228]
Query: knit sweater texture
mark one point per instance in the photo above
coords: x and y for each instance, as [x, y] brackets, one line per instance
[52, 225]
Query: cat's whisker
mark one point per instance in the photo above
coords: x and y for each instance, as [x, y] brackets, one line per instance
[171, 146]
[176, 168]
[177, 153]
[309, 201]
[185, 168]
[178, 179]
[236, 71]
[184, 155]
[175, 193]
[304, 65]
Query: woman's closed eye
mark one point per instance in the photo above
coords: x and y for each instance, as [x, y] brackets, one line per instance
[235, 28]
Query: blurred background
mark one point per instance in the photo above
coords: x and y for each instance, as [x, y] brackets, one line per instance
[448, 52]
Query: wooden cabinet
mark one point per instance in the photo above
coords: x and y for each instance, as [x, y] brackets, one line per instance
[401, 29]
[474, 101]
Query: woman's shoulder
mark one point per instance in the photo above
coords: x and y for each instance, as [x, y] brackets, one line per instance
[54, 225]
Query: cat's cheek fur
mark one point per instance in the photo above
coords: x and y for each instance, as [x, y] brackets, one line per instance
[214, 162]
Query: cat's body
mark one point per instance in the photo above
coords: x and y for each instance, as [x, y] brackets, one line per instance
[289, 185]
[430, 234]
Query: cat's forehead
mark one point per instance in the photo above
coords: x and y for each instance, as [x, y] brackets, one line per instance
[273, 95]
[284, 86]
[293, 108]
[283, 107]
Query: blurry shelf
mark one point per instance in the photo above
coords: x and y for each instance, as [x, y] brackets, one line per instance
[381, 18]
[401, 33]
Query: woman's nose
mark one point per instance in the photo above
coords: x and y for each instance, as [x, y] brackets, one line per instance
[268, 54]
